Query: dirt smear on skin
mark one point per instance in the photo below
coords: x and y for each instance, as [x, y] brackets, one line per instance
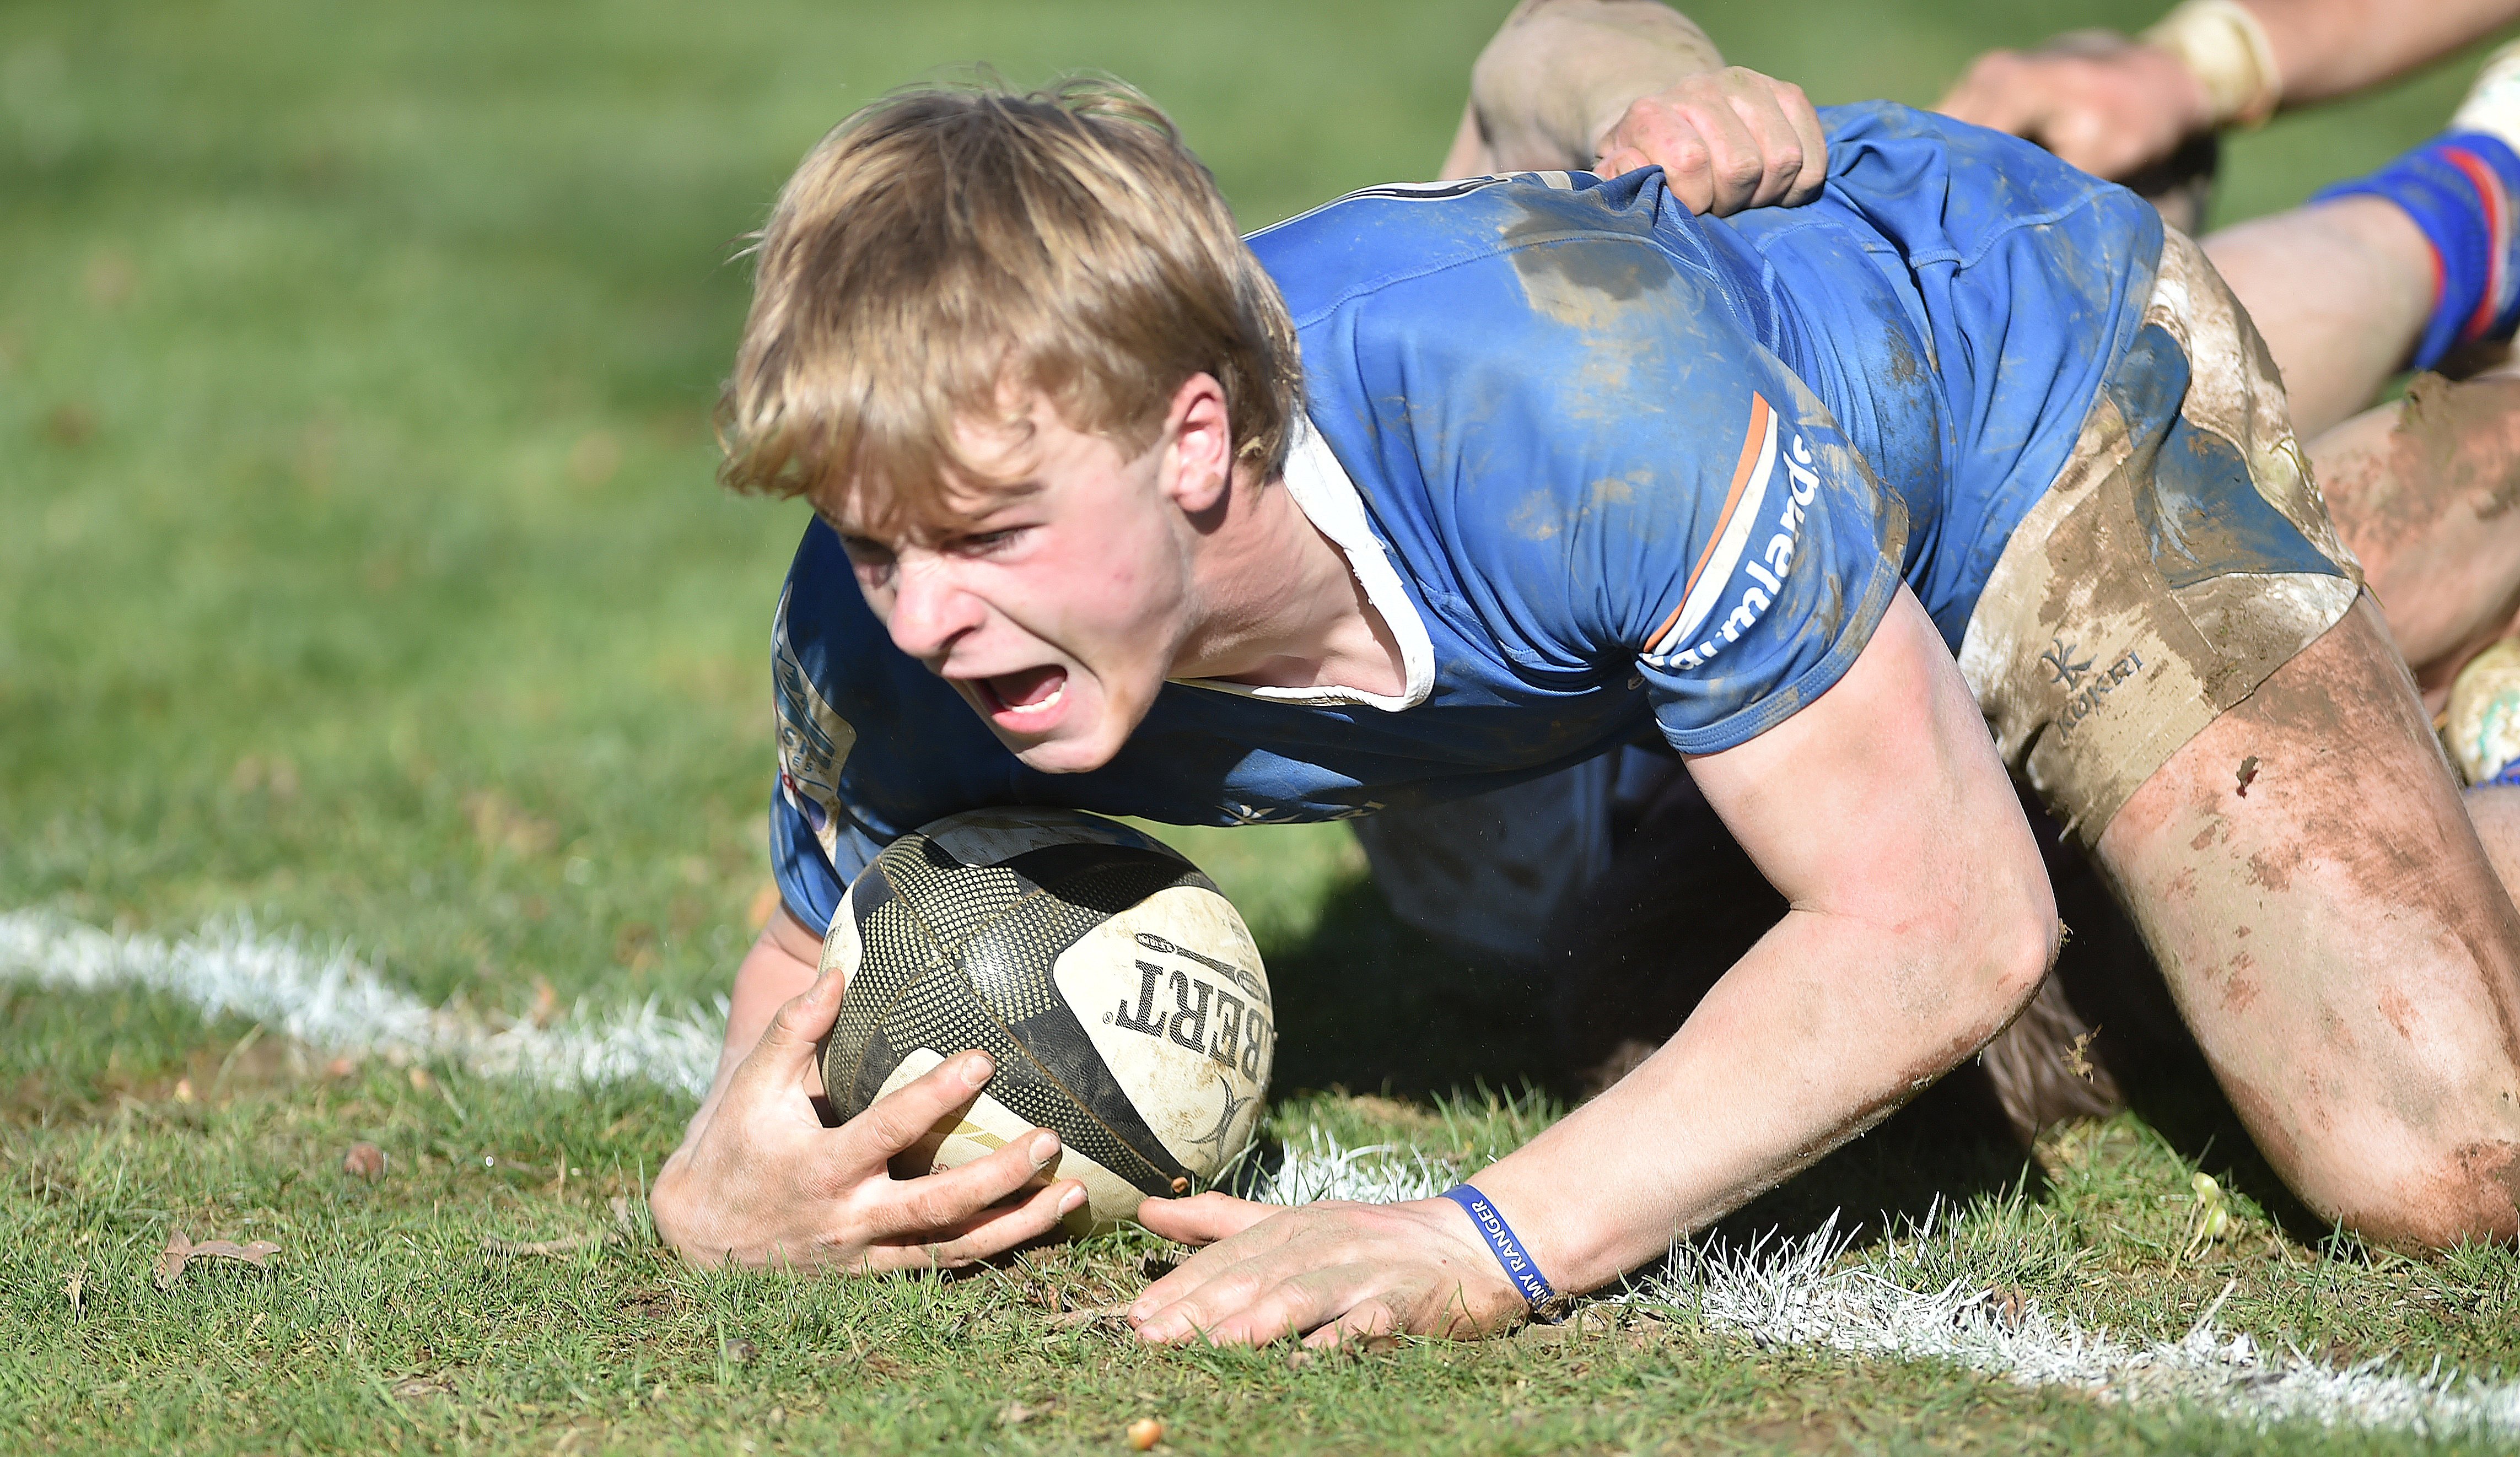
[2465, 437]
[2340, 813]
[2452, 444]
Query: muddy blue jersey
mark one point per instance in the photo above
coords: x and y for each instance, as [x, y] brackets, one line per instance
[1607, 470]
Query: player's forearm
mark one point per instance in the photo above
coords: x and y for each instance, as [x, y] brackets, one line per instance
[1827, 1026]
[2329, 48]
[1559, 73]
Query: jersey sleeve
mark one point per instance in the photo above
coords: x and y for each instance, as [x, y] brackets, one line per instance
[1625, 483]
[1794, 562]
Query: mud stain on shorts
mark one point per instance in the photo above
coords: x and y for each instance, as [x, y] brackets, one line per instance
[2181, 555]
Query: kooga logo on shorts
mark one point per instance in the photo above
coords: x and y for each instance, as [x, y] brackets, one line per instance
[1745, 514]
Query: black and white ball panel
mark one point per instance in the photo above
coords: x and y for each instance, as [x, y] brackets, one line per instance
[1118, 990]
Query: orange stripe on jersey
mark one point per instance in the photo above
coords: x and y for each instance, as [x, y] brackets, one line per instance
[1732, 504]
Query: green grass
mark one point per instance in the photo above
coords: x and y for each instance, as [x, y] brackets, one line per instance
[360, 568]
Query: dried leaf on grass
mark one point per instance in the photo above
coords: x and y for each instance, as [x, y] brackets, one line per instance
[76, 1287]
[569, 1243]
[181, 1252]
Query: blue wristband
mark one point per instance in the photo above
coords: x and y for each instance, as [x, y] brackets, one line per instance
[1508, 1251]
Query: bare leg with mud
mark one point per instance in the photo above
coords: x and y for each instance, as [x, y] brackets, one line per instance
[2425, 491]
[2422, 489]
[2339, 290]
[2340, 942]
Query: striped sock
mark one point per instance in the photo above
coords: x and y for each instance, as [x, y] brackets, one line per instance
[2458, 188]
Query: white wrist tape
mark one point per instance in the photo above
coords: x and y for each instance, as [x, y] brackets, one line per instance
[2224, 45]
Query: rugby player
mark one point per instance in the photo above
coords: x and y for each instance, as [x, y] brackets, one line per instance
[2412, 266]
[1436, 489]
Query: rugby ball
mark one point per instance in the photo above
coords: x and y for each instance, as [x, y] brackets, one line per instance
[1118, 990]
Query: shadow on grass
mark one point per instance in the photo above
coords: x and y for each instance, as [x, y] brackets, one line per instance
[1370, 1005]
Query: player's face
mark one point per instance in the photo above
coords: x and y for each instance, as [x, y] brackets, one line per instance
[1058, 608]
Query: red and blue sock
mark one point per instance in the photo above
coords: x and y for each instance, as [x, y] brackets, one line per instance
[2459, 188]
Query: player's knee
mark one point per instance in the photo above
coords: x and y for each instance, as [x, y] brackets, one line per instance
[2029, 952]
[2018, 935]
[2423, 1192]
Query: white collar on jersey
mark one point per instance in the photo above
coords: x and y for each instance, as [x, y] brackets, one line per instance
[1329, 498]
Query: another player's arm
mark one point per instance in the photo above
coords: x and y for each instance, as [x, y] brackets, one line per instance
[2114, 105]
[759, 1179]
[1612, 85]
[1920, 921]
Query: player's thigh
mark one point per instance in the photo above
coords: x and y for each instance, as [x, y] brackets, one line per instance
[2306, 873]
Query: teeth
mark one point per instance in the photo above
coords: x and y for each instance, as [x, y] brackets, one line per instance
[1044, 706]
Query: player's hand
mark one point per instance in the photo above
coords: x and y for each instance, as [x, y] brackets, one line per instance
[1325, 1273]
[2106, 103]
[1726, 139]
[766, 1183]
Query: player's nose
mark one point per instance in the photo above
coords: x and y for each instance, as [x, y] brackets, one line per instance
[930, 609]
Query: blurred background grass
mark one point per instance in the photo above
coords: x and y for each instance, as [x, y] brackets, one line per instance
[360, 564]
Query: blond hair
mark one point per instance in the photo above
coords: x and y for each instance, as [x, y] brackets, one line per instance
[953, 253]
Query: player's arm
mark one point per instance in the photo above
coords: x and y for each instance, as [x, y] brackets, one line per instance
[1920, 921]
[760, 1179]
[2114, 105]
[1612, 85]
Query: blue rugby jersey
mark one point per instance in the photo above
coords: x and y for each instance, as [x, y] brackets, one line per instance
[1606, 468]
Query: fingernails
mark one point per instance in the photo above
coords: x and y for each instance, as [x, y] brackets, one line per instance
[1071, 1202]
[1045, 1149]
[977, 1069]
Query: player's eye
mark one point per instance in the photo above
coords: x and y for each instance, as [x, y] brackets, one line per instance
[873, 560]
[990, 543]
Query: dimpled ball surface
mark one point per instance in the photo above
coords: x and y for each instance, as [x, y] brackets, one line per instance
[1118, 990]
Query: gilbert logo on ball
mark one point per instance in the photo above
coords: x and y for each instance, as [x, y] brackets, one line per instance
[1117, 989]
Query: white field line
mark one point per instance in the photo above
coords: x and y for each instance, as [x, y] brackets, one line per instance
[1804, 1291]
[1789, 1292]
[325, 997]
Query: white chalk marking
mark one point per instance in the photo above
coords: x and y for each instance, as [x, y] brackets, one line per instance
[1803, 1292]
[326, 998]
[1793, 1292]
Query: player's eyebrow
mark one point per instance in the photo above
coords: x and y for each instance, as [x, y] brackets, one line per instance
[970, 509]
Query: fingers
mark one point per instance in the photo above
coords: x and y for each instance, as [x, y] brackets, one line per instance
[2103, 102]
[1708, 155]
[984, 1235]
[1204, 1219]
[1803, 119]
[1270, 1230]
[1995, 91]
[906, 1114]
[1367, 1321]
[951, 1197]
[1275, 1298]
[786, 1050]
[1726, 141]
[1776, 146]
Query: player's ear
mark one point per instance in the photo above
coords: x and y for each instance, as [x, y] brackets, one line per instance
[1197, 444]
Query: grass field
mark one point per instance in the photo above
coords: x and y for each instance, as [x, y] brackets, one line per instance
[361, 573]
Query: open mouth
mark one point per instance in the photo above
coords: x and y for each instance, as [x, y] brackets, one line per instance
[1018, 699]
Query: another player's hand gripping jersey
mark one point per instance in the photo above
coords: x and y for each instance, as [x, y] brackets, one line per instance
[1551, 428]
